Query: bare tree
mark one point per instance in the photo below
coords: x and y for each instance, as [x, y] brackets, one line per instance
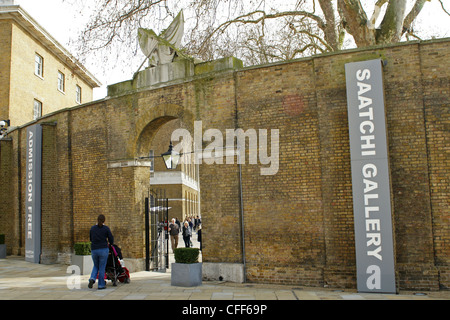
[257, 31]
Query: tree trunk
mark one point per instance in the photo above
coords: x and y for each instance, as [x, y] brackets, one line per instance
[392, 24]
[355, 22]
[330, 30]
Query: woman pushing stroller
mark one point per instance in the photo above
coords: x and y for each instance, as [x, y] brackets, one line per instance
[100, 235]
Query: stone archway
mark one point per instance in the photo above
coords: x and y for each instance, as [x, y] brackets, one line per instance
[154, 118]
[148, 129]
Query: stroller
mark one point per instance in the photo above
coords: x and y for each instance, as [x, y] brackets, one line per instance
[114, 269]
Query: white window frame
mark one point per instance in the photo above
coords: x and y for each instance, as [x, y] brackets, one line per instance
[78, 94]
[39, 65]
[61, 82]
[37, 109]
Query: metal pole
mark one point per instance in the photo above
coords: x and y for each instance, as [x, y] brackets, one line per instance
[147, 235]
[166, 230]
[154, 226]
[244, 261]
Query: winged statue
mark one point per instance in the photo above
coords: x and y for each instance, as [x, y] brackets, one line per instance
[162, 49]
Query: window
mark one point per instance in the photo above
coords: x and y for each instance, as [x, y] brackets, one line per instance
[61, 81]
[37, 109]
[38, 65]
[78, 94]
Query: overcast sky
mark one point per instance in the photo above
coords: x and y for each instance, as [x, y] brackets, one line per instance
[64, 24]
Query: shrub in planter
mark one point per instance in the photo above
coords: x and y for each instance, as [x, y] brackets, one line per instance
[82, 248]
[82, 257]
[2, 239]
[186, 255]
[186, 271]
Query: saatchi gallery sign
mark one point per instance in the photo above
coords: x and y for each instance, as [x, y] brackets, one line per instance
[370, 177]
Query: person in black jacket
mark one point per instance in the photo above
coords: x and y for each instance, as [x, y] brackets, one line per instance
[100, 235]
[199, 235]
[174, 230]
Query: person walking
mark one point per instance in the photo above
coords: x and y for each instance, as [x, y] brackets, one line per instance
[178, 223]
[199, 234]
[174, 230]
[187, 233]
[191, 226]
[100, 235]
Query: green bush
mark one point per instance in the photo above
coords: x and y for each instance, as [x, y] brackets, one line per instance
[82, 248]
[2, 239]
[186, 255]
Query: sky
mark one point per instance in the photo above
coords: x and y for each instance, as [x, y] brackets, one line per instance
[64, 24]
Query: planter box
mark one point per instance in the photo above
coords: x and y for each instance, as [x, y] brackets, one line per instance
[186, 275]
[85, 263]
[2, 251]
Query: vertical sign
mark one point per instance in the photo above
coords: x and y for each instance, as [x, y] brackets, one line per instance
[370, 177]
[33, 194]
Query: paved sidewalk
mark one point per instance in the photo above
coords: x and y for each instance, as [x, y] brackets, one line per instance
[20, 280]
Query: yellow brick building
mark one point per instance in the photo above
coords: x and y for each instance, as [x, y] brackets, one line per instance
[38, 75]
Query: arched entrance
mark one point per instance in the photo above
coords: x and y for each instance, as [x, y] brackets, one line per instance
[180, 186]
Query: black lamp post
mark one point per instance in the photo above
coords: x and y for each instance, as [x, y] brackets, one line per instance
[171, 158]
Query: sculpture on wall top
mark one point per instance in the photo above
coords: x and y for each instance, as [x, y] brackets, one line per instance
[163, 48]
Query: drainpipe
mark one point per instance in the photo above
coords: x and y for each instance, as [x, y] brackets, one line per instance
[242, 216]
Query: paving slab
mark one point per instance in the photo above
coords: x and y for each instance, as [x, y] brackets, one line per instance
[21, 280]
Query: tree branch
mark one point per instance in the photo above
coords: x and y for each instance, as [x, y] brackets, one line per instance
[242, 19]
[376, 14]
[442, 5]
[106, 30]
[412, 15]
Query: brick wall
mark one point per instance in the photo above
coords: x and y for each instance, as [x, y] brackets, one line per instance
[298, 223]
[436, 99]
[317, 202]
[284, 226]
[6, 211]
